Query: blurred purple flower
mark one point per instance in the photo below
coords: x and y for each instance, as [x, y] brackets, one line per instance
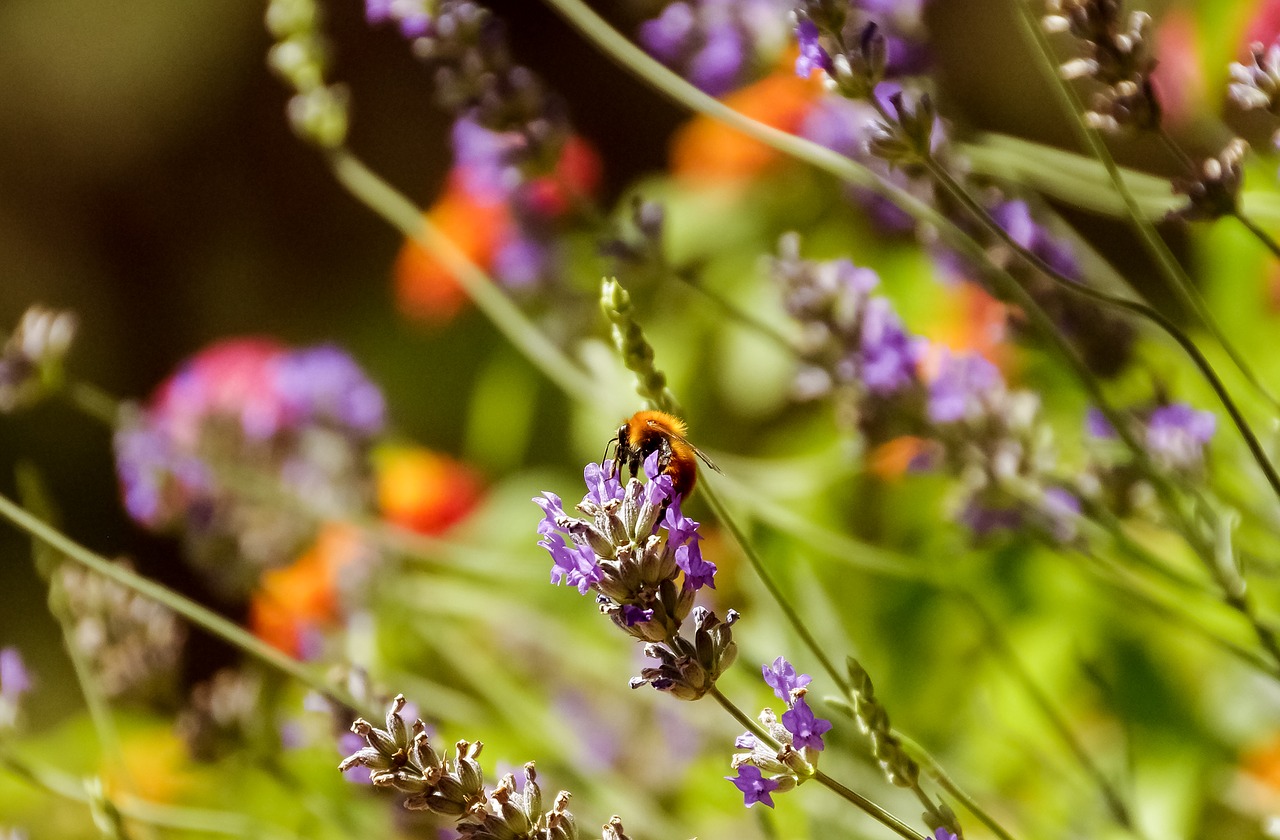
[1177, 434]
[812, 54]
[889, 355]
[15, 680]
[961, 386]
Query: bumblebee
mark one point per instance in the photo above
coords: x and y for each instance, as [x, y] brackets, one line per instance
[656, 431]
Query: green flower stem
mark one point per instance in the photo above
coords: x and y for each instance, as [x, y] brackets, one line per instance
[922, 757]
[879, 814]
[1233, 591]
[47, 561]
[390, 205]
[1261, 235]
[197, 614]
[142, 811]
[1128, 586]
[633, 59]
[1070, 102]
[1115, 803]
[757, 563]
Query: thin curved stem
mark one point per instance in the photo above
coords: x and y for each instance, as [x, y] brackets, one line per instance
[960, 194]
[922, 757]
[1115, 803]
[1187, 294]
[142, 811]
[1260, 234]
[875, 811]
[401, 213]
[197, 614]
[757, 563]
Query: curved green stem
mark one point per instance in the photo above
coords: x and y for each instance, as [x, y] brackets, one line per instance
[197, 614]
[1260, 234]
[980, 215]
[383, 199]
[879, 814]
[922, 757]
[1070, 102]
[1115, 803]
[757, 564]
[142, 811]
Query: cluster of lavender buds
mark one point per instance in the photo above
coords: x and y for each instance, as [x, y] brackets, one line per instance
[132, 644]
[317, 111]
[31, 358]
[858, 43]
[718, 45]
[790, 753]
[512, 139]
[852, 342]
[241, 428]
[14, 682]
[1215, 190]
[401, 758]
[1175, 435]
[1256, 85]
[639, 553]
[988, 436]
[1115, 52]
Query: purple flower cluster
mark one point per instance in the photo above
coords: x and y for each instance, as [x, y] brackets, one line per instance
[634, 543]
[718, 45]
[238, 413]
[1176, 435]
[798, 735]
[852, 339]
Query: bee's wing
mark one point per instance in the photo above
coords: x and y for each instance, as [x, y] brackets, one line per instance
[702, 456]
[704, 459]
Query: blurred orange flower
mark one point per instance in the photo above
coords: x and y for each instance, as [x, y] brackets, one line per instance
[891, 459]
[423, 490]
[425, 289]
[293, 603]
[481, 223]
[706, 151]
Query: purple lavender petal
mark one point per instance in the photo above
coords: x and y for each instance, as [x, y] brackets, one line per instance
[781, 676]
[806, 729]
[754, 787]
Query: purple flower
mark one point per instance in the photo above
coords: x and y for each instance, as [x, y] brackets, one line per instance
[781, 676]
[697, 572]
[1177, 434]
[984, 520]
[812, 55]
[961, 387]
[941, 833]
[668, 35]
[1097, 424]
[806, 729]
[522, 262]
[14, 678]
[889, 355]
[633, 615]
[325, 383]
[602, 484]
[486, 159]
[754, 786]
[411, 15]
[574, 565]
[745, 741]
[718, 67]
[1016, 220]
